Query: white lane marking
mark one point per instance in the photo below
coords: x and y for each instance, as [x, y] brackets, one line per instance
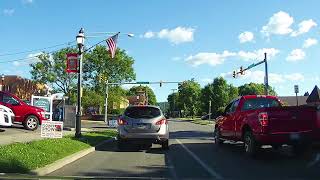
[315, 161]
[195, 157]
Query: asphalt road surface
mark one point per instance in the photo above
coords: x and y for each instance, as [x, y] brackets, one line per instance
[193, 155]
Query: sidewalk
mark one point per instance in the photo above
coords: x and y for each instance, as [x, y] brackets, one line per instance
[17, 134]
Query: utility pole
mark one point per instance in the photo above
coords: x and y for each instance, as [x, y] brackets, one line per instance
[266, 75]
[106, 104]
[80, 41]
[174, 103]
[209, 110]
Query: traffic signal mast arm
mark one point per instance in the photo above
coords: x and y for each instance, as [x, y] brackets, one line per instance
[249, 67]
[160, 82]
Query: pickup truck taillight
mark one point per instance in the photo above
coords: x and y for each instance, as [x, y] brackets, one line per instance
[122, 122]
[263, 118]
[162, 121]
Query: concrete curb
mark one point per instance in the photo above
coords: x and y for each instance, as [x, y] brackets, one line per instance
[66, 160]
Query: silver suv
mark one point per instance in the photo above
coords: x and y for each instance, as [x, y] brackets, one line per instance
[143, 125]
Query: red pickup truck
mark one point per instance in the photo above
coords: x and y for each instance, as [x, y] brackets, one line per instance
[261, 120]
[30, 116]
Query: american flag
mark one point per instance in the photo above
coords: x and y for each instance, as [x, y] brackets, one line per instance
[112, 44]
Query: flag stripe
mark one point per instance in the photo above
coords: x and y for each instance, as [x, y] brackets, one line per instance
[112, 44]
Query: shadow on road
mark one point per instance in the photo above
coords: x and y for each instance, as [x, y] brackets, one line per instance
[191, 135]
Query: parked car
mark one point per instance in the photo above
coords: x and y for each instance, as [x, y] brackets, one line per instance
[261, 120]
[30, 116]
[144, 125]
[6, 116]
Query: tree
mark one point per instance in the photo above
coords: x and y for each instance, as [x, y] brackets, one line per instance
[255, 89]
[152, 100]
[99, 63]
[188, 99]
[52, 69]
[219, 93]
[173, 101]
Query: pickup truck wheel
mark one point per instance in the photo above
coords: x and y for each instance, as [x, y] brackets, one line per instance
[31, 123]
[300, 149]
[120, 144]
[217, 137]
[250, 144]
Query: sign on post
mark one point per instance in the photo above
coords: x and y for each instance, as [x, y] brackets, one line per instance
[296, 89]
[72, 63]
[51, 129]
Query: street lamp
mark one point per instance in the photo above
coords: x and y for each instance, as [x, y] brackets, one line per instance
[2, 82]
[80, 42]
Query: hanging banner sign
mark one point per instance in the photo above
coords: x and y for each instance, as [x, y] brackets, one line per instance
[72, 63]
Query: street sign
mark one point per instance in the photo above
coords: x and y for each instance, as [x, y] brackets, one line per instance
[72, 63]
[51, 129]
[296, 89]
[143, 82]
[251, 66]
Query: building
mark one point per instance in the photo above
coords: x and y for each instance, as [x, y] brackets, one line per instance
[292, 100]
[22, 87]
[314, 97]
[139, 99]
[122, 104]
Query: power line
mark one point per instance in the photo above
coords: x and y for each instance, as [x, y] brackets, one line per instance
[29, 58]
[39, 49]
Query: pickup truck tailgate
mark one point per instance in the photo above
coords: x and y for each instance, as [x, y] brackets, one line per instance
[291, 119]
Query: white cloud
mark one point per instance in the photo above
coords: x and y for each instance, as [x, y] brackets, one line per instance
[304, 27]
[258, 54]
[16, 63]
[309, 42]
[212, 59]
[246, 37]
[149, 34]
[274, 78]
[176, 36]
[294, 77]
[296, 55]
[8, 12]
[280, 23]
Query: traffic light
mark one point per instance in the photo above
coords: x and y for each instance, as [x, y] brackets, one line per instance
[241, 70]
[160, 83]
[234, 74]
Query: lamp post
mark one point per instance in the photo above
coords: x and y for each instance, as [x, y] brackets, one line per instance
[80, 42]
[2, 82]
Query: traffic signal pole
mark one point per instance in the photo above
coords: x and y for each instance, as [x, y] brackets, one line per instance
[266, 79]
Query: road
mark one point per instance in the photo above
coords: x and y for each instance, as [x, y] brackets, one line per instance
[192, 155]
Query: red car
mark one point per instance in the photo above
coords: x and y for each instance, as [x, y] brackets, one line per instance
[261, 120]
[30, 116]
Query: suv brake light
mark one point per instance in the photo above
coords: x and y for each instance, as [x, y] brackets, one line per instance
[263, 118]
[162, 121]
[122, 122]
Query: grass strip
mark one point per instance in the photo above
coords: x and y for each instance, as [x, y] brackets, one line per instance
[24, 157]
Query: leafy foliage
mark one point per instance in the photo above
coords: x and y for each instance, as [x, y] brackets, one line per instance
[254, 89]
[188, 99]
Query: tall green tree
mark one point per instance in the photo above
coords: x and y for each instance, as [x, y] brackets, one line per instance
[188, 99]
[152, 100]
[98, 63]
[255, 89]
[51, 69]
[173, 101]
[219, 93]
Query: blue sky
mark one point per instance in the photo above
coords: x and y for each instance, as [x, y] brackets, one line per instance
[178, 40]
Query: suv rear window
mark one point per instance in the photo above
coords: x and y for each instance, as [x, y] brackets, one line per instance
[142, 112]
[258, 103]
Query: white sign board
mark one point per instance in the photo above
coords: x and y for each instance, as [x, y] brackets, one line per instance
[113, 123]
[296, 89]
[51, 129]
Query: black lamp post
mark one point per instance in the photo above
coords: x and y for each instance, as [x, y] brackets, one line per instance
[80, 42]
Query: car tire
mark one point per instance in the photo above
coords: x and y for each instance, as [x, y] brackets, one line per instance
[120, 144]
[276, 147]
[217, 137]
[165, 145]
[250, 145]
[31, 123]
